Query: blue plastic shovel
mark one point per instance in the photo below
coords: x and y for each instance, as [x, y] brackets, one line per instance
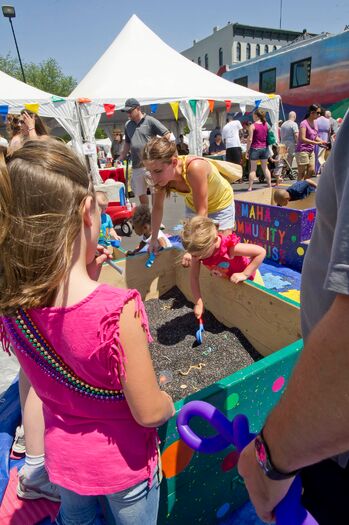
[198, 334]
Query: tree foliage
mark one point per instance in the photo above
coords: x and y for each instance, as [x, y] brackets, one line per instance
[47, 75]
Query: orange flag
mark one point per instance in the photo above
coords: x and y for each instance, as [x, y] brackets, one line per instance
[211, 104]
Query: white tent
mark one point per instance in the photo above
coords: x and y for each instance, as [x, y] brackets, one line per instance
[139, 64]
[15, 94]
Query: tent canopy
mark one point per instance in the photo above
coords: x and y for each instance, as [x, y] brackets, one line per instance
[139, 64]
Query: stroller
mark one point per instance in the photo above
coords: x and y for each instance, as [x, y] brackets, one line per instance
[287, 172]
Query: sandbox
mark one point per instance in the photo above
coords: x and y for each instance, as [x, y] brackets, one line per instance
[200, 488]
[283, 231]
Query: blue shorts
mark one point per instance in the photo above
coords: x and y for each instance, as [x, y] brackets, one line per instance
[225, 217]
[259, 154]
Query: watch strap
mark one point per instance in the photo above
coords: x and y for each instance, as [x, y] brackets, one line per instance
[264, 459]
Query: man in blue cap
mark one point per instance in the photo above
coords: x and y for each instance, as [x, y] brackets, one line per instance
[139, 129]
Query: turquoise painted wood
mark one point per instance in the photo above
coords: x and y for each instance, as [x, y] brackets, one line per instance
[209, 488]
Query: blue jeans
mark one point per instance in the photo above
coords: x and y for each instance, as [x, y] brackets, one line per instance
[137, 505]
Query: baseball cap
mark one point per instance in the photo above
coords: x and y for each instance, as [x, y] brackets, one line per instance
[130, 104]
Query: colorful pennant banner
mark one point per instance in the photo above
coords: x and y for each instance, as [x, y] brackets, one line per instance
[272, 95]
[3, 112]
[175, 108]
[84, 100]
[243, 109]
[153, 107]
[211, 105]
[34, 108]
[257, 103]
[227, 105]
[54, 98]
[192, 104]
[109, 109]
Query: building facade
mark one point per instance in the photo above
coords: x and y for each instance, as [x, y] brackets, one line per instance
[236, 43]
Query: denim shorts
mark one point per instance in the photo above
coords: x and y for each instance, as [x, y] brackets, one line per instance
[259, 154]
[225, 218]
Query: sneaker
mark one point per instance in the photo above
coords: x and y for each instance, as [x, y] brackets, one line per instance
[18, 446]
[162, 226]
[37, 487]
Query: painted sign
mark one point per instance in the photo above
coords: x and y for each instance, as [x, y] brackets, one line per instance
[281, 231]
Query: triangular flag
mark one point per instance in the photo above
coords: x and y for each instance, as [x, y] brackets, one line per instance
[258, 103]
[84, 100]
[243, 109]
[34, 108]
[54, 98]
[227, 105]
[272, 95]
[175, 107]
[109, 109]
[3, 112]
[193, 105]
[153, 107]
[211, 104]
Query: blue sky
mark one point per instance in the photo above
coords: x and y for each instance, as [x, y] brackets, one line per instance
[77, 32]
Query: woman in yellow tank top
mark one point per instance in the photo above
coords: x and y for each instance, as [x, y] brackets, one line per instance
[204, 190]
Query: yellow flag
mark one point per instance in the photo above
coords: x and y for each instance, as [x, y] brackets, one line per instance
[272, 95]
[34, 108]
[175, 107]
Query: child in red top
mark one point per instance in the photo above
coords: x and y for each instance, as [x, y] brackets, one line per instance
[224, 256]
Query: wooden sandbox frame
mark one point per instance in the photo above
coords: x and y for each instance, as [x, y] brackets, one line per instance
[201, 488]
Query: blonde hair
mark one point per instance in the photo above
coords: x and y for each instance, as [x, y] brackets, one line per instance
[42, 194]
[102, 195]
[281, 197]
[198, 235]
[160, 148]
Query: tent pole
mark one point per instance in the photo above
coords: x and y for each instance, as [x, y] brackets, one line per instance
[88, 158]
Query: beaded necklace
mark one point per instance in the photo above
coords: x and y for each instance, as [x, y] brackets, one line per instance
[35, 346]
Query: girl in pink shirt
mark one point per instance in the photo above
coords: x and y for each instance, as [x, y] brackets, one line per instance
[83, 345]
[225, 256]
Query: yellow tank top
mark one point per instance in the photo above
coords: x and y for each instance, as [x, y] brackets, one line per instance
[220, 193]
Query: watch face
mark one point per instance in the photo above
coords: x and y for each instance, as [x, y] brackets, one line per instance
[261, 453]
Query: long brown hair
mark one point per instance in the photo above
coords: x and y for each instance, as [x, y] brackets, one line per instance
[40, 127]
[42, 193]
[261, 115]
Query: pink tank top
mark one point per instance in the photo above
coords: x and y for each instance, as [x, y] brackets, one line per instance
[220, 261]
[259, 138]
[93, 444]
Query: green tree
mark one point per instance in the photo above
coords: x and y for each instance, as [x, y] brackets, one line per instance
[47, 75]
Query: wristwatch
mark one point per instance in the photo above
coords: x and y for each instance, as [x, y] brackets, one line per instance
[264, 459]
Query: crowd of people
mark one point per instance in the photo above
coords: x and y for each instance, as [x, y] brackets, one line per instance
[87, 384]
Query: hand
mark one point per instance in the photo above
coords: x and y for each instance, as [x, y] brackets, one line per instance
[130, 253]
[199, 309]
[186, 261]
[153, 246]
[29, 121]
[238, 278]
[94, 268]
[264, 493]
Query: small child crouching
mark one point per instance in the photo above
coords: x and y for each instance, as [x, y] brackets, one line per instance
[107, 232]
[225, 256]
[141, 222]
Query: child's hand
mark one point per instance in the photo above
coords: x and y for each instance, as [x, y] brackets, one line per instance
[94, 268]
[238, 277]
[199, 309]
[186, 261]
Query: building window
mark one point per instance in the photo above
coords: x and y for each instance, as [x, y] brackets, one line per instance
[220, 56]
[206, 61]
[275, 48]
[258, 50]
[248, 51]
[242, 81]
[238, 52]
[199, 61]
[300, 73]
[267, 81]
[266, 49]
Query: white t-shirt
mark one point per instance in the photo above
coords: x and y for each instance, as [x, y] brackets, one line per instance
[161, 235]
[230, 134]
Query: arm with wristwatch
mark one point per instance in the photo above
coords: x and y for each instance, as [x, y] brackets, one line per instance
[305, 427]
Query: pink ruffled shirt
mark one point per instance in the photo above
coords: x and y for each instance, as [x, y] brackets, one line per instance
[92, 446]
[220, 261]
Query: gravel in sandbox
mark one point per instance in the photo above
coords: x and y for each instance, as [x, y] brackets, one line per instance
[173, 327]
